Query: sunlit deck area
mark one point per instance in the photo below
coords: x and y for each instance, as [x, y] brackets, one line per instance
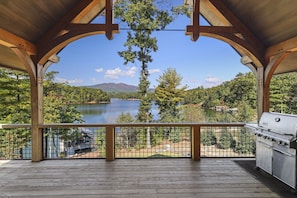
[210, 177]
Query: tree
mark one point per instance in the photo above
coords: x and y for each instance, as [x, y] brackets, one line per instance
[58, 110]
[245, 143]
[169, 95]
[142, 17]
[226, 140]
[208, 137]
[127, 135]
[281, 88]
[14, 109]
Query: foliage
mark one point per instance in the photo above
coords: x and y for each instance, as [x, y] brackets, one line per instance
[101, 141]
[292, 99]
[245, 143]
[192, 113]
[58, 108]
[142, 17]
[127, 135]
[208, 137]
[15, 109]
[169, 96]
[281, 88]
[226, 140]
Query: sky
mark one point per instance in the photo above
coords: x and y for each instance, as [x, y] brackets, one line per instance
[94, 59]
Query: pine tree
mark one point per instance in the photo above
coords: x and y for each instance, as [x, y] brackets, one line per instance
[142, 17]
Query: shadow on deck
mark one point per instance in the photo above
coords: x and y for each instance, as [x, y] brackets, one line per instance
[162, 178]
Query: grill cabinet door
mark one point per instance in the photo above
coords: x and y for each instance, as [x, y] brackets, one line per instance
[284, 166]
[264, 154]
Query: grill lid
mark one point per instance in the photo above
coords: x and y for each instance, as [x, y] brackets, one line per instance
[284, 124]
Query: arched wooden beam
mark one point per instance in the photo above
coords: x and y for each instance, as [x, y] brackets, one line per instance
[239, 44]
[27, 61]
[76, 31]
[235, 33]
[273, 64]
[268, 73]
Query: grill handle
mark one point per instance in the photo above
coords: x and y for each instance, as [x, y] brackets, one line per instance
[282, 152]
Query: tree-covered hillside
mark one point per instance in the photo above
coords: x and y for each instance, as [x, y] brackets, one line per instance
[243, 90]
[58, 98]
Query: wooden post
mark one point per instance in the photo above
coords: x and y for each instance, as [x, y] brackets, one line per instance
[196, 143]
[110, 139]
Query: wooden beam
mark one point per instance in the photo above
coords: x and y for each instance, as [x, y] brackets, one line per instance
[289, 45]
[85, 11]
[74, 32]
[249, 36]
[211, 13]
[11, 40]
[194, 29]
[196, 150]
[110, 145]
[59, 27]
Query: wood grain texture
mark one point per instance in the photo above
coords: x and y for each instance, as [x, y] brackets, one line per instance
[131, 178]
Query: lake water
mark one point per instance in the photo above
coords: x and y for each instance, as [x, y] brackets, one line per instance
[108, 113]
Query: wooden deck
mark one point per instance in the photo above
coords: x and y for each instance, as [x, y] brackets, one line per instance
[138, 178]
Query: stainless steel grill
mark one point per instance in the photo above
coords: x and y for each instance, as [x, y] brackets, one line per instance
[276, 144]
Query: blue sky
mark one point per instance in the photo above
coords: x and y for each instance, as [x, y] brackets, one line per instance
[94, 59]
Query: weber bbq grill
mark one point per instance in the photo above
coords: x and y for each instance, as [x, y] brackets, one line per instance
[276, 144]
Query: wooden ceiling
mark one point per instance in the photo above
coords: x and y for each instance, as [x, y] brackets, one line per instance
[260, 30]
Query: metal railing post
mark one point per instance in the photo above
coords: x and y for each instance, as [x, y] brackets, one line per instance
[110, 143]
[196, 143]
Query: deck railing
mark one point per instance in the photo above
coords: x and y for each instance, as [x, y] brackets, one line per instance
[130, 140]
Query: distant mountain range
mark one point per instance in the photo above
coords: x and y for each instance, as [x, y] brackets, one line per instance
[115, 87]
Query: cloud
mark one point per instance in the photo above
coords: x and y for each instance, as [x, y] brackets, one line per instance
[72, 82]
[152, 71]
[212, 81]
[99, 70]
[117, 72]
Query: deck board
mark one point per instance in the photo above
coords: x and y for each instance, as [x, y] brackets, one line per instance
[137, 178]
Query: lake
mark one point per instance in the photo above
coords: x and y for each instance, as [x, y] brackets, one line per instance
[109, 112]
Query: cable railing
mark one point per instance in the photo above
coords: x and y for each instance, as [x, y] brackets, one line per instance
[130, 140]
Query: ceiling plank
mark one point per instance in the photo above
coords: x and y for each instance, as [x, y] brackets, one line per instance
[59, 27]
[86, 10]
[214, 17]
[289, 45]
[11, 40]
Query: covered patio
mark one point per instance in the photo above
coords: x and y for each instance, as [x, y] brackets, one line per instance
[139, 178]
[32, 33]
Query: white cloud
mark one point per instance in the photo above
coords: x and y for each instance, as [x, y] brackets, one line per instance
[212, 81]
[115, 73]
[99, 70]
[152, 71]
[72, 82]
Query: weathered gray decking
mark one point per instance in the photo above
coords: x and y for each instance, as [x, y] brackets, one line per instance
[138, 178]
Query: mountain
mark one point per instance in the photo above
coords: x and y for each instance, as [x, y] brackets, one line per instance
[115, 87]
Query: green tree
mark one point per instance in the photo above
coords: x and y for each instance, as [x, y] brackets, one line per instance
[245, 143]
[281, 88]
[143, 18]
[292, 99]
[14, 109]
[127, 135]
[208, 137]
[226, 140]
[169, 96]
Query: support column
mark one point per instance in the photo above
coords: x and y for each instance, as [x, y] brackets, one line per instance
[196, 143]
[110, 143]
[261, 92]
[36, 118]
